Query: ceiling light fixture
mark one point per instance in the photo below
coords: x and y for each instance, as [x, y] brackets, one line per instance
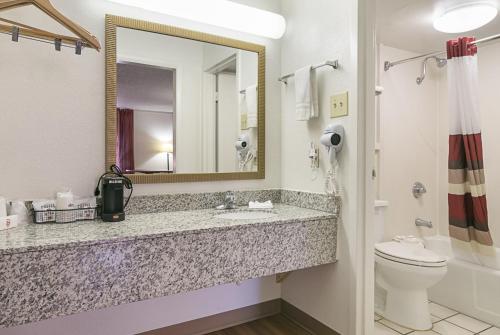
[221, 13]
[465, 17]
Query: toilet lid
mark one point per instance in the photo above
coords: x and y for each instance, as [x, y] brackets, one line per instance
[409, 254]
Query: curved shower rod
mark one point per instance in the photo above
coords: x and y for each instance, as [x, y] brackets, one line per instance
[433, 55]
[440, 62]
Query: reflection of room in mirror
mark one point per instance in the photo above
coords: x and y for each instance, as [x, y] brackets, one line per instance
[210, 103]
[145, 118]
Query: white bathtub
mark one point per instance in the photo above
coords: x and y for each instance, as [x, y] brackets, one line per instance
[472, 284]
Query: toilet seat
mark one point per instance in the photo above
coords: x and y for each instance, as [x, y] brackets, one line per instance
[408, 254]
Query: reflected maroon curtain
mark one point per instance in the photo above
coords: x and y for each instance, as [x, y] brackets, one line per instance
[125, 139]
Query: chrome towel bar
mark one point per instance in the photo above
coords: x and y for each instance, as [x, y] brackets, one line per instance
[333, 63]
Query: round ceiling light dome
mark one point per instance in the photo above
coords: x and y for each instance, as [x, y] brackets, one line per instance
[465, 18]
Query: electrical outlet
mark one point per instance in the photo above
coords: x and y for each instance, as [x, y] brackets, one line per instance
[339, 105]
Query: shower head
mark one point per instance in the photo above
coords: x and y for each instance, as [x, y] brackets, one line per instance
[440, 62]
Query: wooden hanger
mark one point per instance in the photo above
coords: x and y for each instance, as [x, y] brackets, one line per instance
[35, 32]
[84, 36]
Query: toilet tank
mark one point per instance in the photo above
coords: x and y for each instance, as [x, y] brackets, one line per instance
[379, 220]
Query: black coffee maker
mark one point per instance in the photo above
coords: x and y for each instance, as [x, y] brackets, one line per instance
[113, 186]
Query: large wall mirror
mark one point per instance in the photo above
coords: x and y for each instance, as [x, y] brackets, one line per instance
[183, 105]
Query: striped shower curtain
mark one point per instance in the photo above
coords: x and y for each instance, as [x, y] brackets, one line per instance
[468, 213]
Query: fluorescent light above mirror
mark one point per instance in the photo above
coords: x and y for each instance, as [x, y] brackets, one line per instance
[221, 13]
[465, 18]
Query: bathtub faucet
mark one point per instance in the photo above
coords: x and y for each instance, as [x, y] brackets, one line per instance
[423, 223]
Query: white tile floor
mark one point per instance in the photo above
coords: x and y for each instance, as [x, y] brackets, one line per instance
[445, 322]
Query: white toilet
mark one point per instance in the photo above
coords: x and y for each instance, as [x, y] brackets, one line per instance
[404, 270]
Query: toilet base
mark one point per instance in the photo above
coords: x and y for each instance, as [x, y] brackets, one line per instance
[408, 308]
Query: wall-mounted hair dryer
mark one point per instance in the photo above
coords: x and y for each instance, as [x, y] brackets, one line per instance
[242, 144]
[333, 140]
[244, 150]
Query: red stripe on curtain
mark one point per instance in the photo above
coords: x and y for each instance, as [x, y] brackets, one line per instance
[466, 210]
[125, 139]
[456, 149]
[473, 147]
[466, 147]
[465, 151]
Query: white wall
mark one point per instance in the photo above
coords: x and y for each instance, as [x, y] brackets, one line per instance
[215, 54]
[247, 62]
[52, 135]
[227, 127]
[246, 75]
[317, 31]
[186, 57]
[151, 131]
[144, 87]
[408, 144]
[138, 317]
[68, 90]
[64, 89]
[489, 72]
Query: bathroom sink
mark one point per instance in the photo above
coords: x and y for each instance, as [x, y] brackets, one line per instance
[246, 215]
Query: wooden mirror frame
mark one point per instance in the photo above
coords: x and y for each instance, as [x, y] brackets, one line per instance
[114, 22]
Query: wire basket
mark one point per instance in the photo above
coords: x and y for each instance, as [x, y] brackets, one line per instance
[66, 215]
[47, 213]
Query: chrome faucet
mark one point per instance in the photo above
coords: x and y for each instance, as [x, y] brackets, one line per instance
[229, 201]
[418, 190]
[423, 223]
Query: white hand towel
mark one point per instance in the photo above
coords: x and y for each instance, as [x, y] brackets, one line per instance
[251, 98]
[260, 205]
[306, 94]
[243, 112]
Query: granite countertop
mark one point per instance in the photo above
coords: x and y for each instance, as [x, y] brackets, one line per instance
[34, 237]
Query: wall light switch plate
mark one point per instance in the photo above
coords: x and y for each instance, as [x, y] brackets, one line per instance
[339, 105]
